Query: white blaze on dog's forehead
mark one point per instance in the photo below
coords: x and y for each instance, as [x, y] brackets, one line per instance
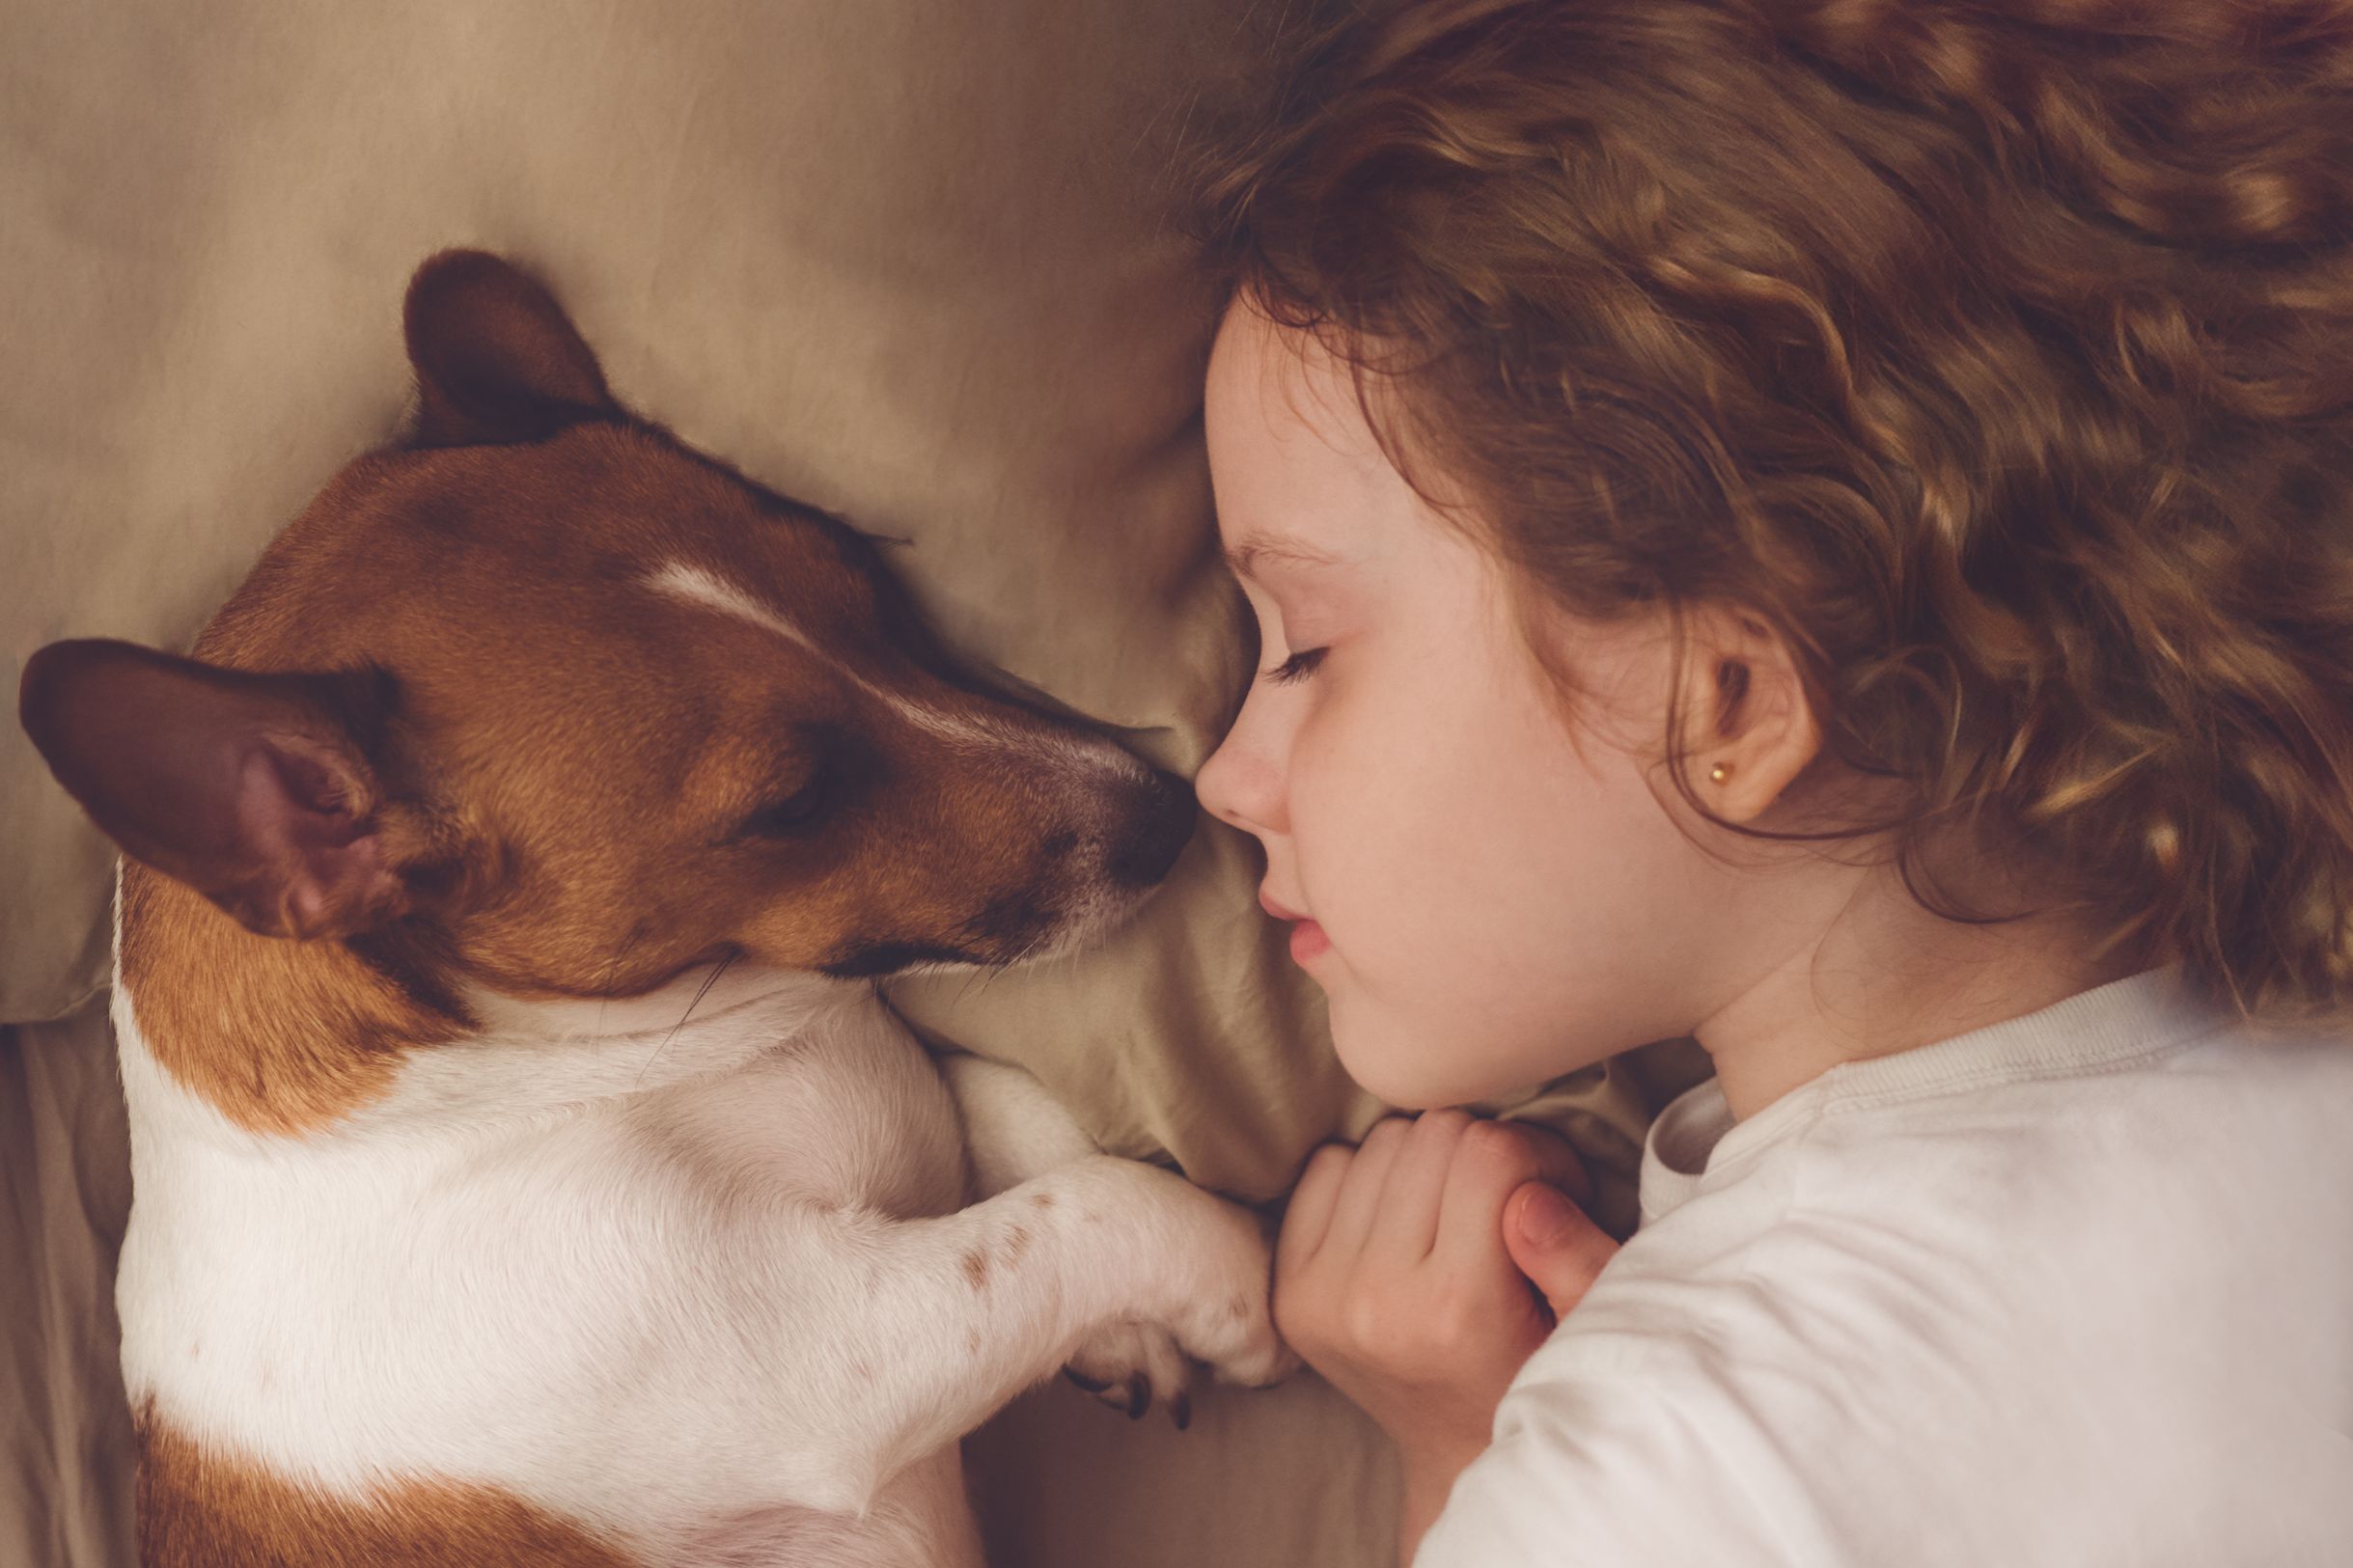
[1086, 754]
[698, 585]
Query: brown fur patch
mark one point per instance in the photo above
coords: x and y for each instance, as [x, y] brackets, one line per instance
[975, 1268]
[280, 1036]
[200, 1507]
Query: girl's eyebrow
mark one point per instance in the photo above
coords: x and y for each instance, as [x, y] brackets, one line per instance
[1243, 556]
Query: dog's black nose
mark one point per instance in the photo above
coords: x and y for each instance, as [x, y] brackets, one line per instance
[1160, 824]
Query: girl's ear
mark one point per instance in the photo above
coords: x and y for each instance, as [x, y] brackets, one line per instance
[497, 360]
[1744, 709]
[251, 788]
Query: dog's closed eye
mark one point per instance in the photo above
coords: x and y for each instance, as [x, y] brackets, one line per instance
[795, 813]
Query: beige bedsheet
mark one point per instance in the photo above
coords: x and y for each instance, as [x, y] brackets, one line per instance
[905, 259]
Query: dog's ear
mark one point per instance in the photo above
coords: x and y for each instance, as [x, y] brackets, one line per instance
[497, 360]
[254, 789]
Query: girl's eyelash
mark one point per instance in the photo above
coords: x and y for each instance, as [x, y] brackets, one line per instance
[1298, 667]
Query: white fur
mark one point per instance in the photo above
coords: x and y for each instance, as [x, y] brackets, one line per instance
[704, 1285]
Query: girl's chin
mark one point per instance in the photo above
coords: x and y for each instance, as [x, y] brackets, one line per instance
[1405, 1084]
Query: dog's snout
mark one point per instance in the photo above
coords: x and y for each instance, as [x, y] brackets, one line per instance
[1160, 827]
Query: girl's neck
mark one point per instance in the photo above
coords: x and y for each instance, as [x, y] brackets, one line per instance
[1891, 981]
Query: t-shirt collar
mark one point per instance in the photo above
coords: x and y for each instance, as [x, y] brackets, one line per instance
[1696, 1135]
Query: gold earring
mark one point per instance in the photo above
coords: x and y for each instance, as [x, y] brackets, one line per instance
[1720, 772]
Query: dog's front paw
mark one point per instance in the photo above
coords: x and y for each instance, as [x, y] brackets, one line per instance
[1208, 1301]
[1228, 1321]
[1130, 1364]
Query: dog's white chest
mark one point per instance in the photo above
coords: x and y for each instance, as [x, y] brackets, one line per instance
[864, 1120]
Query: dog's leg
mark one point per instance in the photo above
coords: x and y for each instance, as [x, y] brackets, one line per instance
[1022, 1252]
[932, 1325]
[1013, 1129]
[1016, 1130]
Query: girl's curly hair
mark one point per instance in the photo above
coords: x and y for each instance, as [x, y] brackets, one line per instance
[1997, 354]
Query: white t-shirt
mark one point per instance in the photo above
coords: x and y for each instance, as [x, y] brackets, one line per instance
[2073, 1289]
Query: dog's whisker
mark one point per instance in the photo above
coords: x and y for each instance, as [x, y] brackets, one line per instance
[605, 985]
[701, 991]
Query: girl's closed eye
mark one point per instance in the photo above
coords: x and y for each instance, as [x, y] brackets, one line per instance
[1298, 667]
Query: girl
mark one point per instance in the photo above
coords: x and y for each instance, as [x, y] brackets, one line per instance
[1820, 525]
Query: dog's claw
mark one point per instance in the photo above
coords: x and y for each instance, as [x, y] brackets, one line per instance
[1129, 1364]
[1180, 1409]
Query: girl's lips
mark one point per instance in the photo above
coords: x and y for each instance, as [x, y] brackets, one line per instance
[1307, 937]
[1307, 941]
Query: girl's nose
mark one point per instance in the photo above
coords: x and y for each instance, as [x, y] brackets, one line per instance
[1237, 789]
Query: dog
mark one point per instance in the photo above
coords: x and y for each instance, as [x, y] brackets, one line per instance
[526, 1168]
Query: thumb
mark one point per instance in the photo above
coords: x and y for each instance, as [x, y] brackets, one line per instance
[1554, 1244]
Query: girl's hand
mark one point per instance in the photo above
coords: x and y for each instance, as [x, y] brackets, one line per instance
[1404, 1277]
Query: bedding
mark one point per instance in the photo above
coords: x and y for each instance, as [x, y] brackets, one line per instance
[909, 261]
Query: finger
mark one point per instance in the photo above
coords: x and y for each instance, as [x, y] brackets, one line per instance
[1561, 1164]
[1493, 1159]
[1309, 1213]
[1360, 1195]
[1555, 1244]
[1405, 1224]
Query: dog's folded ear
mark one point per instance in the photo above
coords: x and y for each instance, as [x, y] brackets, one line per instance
[254, 789]
[497, 360]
